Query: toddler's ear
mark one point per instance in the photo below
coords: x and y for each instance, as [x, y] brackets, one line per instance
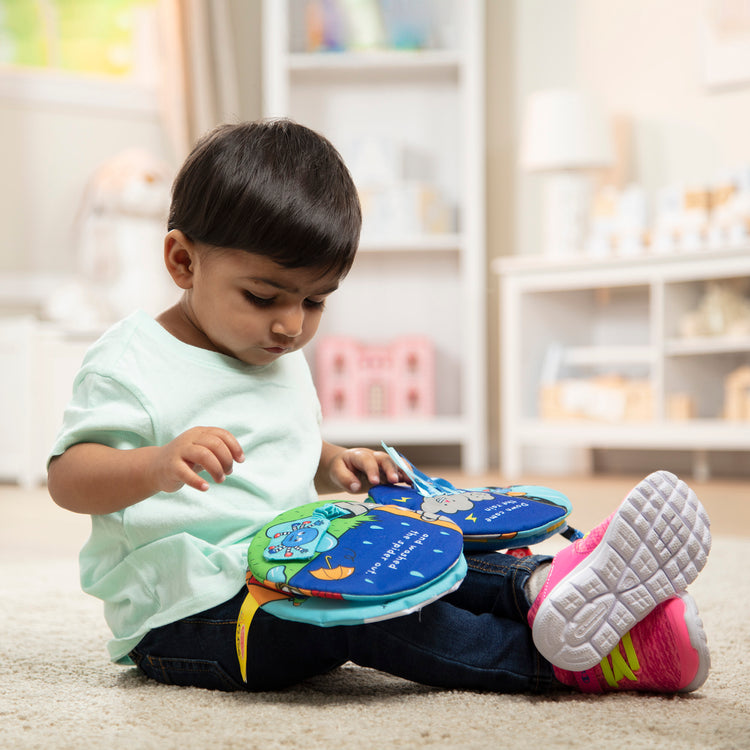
[178, 257]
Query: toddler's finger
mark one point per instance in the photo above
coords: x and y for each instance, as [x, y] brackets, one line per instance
[348, 479]
[390, 472]
[224, 446]
[200, 457]
[234, 446]
[197, 483]
[189, 476]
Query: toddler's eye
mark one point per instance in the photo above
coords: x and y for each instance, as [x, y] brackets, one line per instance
[315, 304]
[258, 301]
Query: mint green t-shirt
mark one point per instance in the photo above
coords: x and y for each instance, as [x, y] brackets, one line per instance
[176, 554]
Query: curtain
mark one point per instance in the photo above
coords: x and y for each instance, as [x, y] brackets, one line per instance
[198, 81]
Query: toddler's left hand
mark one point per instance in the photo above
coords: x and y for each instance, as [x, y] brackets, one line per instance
[358, 469]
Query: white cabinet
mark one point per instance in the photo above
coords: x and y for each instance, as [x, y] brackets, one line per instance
[38, 364]
[17, 347]
[410, 125]
[625, 353]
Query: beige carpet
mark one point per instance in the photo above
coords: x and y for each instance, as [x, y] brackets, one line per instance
[57, 689]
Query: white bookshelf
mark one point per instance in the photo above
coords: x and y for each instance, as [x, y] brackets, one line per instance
[427, 102]
[618, 315]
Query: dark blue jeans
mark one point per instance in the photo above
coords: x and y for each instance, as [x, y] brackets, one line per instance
[475, 638]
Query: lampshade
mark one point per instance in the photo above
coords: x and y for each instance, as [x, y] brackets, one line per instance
[565, 129]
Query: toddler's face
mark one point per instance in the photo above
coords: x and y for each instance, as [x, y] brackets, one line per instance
[253, 309]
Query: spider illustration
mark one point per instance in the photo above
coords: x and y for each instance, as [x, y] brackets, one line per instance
[297, 540]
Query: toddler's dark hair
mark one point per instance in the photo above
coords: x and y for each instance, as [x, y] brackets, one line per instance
[271, 187]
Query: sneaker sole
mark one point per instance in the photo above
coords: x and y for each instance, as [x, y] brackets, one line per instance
[654, 547]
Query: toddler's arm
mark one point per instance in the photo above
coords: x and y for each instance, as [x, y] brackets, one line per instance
[94, 478]
[354, 469]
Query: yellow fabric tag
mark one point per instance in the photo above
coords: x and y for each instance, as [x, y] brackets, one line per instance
[247, 612]
[256, 597]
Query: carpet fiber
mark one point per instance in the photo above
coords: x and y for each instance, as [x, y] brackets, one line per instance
[58, 690]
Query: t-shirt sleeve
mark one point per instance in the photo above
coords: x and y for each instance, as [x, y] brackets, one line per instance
[103, 410]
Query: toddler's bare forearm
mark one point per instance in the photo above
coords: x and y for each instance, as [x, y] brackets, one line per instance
[96, 479]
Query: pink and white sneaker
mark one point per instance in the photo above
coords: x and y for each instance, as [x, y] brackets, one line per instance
[666, 652]
[651, 548]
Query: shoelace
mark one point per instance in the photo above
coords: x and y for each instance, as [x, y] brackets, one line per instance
[616, 667]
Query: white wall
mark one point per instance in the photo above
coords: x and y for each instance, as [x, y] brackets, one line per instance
[53, 135]
[644, 60]
[684, 131]
[48, 151]
[642, 57]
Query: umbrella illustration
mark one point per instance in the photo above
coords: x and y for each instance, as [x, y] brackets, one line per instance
[330, 573]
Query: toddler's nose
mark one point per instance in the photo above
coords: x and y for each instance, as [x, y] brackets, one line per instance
[289, 321]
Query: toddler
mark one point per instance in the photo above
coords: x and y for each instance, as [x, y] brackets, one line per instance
[188, 432]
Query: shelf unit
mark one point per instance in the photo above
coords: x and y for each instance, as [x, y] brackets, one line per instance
[617, 316]
[428, 104]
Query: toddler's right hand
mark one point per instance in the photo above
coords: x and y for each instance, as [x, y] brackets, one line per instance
[211, 448]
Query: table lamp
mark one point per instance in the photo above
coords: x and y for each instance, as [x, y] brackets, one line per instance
[566, 137]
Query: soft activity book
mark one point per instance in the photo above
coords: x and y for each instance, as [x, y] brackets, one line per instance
[347, 563]
[353, 551]
[490, 518]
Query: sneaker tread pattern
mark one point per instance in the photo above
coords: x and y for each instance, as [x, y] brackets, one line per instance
[654, 547]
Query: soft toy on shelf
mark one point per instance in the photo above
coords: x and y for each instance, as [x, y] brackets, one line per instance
[724, 310]
[122, 215]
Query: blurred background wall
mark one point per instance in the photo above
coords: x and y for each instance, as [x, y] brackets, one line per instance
[645, 59]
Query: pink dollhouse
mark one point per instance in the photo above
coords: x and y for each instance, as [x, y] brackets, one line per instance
[361, 380]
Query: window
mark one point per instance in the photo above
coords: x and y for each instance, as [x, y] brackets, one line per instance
[79, 51]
